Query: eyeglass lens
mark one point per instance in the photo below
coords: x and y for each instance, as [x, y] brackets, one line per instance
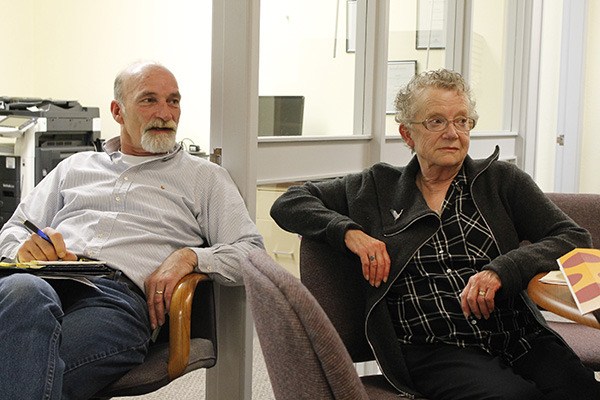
[438, 124]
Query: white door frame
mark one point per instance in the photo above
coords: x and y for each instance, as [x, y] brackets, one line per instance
[570, 99]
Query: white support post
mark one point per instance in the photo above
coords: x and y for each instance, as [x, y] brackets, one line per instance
[234, 126]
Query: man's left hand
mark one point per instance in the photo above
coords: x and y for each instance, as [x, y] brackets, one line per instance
[161, 283]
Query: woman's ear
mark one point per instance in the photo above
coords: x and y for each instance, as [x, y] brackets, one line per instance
[406, 135]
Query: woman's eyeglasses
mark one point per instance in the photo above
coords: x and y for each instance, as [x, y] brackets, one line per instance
[438, 124]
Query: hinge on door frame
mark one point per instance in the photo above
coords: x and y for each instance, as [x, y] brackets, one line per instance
[216, 155]
[560, 139]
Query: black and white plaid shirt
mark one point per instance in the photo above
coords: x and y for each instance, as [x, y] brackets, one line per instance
[424, 301]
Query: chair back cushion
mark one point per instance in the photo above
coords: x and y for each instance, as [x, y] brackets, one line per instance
[335, 280]
[304, 355]
[583, 208]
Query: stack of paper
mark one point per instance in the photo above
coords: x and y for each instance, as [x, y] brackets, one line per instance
[554, 278]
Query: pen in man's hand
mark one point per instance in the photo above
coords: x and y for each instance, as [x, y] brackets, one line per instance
[29, 225]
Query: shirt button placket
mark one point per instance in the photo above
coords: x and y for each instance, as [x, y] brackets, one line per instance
[120, 190]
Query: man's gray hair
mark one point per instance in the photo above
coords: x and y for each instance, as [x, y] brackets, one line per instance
[134, 69]
[407, 99]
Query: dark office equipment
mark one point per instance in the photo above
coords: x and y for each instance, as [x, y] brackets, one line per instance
[10, 193]
[46, 131]
[69, 128]
[280, 115]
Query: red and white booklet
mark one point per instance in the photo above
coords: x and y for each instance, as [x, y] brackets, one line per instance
[581, 268]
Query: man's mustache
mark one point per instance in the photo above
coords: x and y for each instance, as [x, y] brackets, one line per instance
[171, 125]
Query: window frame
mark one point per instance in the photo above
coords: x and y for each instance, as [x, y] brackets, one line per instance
[368, 144]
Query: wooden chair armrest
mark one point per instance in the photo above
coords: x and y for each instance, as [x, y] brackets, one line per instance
[558, 299]
[180, 323]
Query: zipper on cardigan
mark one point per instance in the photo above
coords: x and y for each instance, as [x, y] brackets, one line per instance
[411, 223]
[410, 395]
[405, 394]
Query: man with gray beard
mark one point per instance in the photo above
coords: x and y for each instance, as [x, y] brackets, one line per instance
[147, 128]
[143, 205]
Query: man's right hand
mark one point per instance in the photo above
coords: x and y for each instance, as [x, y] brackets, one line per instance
[373, 255]
[36, 248]
[161, 283]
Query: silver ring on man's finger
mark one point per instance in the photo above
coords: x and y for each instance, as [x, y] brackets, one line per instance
[372, 258]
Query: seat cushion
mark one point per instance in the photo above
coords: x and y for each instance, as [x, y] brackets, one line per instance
[152, 374]
[379, 388]
[585, 341]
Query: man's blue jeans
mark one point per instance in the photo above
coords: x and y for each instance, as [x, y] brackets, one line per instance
[61, 339]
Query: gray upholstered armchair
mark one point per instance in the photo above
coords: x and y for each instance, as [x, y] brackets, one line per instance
[337, 287]
[304, 354]
[312, 331]
[339, 294]
[584, 209]
[188, 342]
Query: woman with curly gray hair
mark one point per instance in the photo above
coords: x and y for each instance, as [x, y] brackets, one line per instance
[406, 100]
[438, 242]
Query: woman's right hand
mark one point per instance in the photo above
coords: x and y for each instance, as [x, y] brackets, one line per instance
[373, 255]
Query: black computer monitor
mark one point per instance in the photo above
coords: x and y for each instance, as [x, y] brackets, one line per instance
[280, 115]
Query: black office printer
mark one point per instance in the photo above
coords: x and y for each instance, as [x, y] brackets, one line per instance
[69, 128]
[46, 131]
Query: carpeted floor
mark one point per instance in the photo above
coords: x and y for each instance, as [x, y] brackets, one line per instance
[191, 386]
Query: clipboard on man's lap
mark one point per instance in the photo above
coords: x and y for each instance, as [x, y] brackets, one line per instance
[59, 269]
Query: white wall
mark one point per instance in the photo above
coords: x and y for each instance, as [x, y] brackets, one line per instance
[72, 49]
[590, 147]
[16, 63]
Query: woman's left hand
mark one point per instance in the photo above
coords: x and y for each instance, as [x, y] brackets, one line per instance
[477, 297]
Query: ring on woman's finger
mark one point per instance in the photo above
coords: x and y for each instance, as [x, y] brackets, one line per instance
[482, 292]
[159, 292]
[372, 258]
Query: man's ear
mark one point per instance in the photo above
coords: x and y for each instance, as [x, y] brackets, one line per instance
[117, 111]
[406, 135]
